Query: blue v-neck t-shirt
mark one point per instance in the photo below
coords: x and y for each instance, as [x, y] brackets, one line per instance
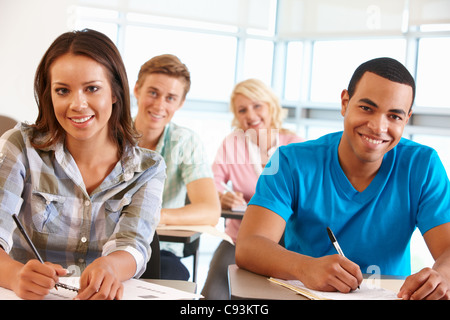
[305, 184]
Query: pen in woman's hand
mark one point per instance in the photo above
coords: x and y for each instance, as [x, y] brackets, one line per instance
[227, 188]
[36, 253]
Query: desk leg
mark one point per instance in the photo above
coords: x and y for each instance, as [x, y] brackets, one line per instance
[194, 277]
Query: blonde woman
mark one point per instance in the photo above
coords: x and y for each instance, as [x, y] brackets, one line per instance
[240, 160]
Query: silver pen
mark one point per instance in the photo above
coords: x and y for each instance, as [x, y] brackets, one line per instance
[335, 243]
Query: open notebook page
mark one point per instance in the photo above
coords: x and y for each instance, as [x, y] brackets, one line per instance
[366, 292]
[134, 289]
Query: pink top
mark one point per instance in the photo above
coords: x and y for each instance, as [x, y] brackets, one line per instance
[238, 160]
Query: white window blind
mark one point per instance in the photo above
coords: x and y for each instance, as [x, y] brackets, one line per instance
[241, 13]
[316, 18]
[429, 12]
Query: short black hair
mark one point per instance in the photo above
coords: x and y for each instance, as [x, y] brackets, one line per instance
[387, 68]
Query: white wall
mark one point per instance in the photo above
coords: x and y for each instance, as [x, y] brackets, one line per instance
[27, 28]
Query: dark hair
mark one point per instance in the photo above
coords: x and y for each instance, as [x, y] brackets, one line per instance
[99, 47]
[387, 68]
[167, 64]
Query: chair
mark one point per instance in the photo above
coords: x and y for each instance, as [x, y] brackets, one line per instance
[6, 123]
[191, 249]
[153, 270]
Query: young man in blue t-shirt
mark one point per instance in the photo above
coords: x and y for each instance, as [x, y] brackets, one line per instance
[368, 184]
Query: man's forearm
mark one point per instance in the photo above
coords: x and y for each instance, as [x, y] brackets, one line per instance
[442, 264]
[263, 256]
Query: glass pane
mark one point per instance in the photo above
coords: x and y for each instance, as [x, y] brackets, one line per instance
[258, 60]
[315, 132]
[210, 58]
[294, 59]
[335, 61]
[433, 69]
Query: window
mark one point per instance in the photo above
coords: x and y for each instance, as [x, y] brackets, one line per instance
[293, 79]
[440, 144]
[433, 70]
[210, 58]
[258, 60]
[101, 20]
[335, 61]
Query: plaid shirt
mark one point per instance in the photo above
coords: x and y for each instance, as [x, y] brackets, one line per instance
[66, 224]
[186, 161]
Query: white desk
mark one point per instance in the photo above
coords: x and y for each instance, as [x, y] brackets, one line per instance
[187, 286]
[247, 285]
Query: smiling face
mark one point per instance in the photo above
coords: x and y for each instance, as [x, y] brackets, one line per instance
[252, 114]
[374, 119]
[82, 98]
[158, 98]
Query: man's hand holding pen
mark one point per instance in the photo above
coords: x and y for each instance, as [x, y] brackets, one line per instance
[331, 273]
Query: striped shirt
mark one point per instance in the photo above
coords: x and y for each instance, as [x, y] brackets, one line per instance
[67, 225]
[186, 160]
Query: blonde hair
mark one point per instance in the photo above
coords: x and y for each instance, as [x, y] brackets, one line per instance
[257, 90]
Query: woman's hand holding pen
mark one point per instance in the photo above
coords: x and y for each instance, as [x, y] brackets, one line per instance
[230, 200]
[35, 279]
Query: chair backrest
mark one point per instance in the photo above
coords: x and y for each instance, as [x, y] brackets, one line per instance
[6, 123]
[153, 270]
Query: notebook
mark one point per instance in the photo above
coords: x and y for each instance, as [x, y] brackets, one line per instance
[366, 292]
[241, 208]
